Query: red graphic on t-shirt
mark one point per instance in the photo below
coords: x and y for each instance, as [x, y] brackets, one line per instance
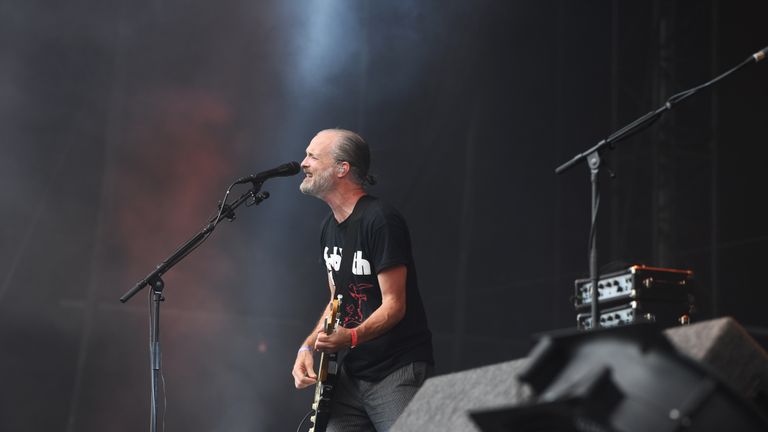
[354, 311]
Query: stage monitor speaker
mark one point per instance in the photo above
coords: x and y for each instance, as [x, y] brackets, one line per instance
[726, 348]
[443, 402]
[721, 347]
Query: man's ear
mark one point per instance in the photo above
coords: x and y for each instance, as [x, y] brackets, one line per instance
[342, 168]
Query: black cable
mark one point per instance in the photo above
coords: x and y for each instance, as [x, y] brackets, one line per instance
[684, 94]
[165, 396]
[223, 203]
[593, 225]
[652, 116]
[215, 223]
[298, 429]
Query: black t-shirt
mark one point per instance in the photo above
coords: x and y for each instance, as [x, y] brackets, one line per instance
[383, 242]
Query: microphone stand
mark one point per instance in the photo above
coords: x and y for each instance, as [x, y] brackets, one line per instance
[592, 157]
[154, 279]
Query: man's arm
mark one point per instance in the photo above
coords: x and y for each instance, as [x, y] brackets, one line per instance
[391, 311]
[303, 368]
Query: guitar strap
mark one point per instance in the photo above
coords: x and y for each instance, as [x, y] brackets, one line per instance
[351, 235]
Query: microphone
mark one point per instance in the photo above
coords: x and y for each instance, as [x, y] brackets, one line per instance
[284, 170]
[760, 55]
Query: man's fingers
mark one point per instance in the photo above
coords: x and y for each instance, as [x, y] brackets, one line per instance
[319, 340]
[304, 383]
[305, 370]
[302, 378]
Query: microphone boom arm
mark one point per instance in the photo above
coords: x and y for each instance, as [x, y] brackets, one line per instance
[651, 117]
[227, 212]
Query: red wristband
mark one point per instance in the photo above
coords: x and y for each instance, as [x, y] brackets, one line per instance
[353, 333]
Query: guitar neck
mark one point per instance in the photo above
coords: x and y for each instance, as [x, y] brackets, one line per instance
[322, 372]
[325, 376]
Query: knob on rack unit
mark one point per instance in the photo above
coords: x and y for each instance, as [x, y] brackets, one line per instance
[638, 293]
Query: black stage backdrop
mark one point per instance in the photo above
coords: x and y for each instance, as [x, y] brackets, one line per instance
[123, 121]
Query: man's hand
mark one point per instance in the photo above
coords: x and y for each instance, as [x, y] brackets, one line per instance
[336, 341]
[303, 373]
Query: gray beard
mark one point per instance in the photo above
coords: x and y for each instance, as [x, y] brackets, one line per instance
[320, 184]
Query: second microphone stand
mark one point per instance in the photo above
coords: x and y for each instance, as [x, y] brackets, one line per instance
[592, 156]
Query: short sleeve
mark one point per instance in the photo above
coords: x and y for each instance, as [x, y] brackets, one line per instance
[390, 241]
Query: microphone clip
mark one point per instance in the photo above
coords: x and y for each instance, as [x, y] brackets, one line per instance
[257, 198]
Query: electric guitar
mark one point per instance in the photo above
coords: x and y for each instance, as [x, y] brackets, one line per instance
[326, 374]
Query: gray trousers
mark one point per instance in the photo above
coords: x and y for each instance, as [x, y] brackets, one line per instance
[362, 406]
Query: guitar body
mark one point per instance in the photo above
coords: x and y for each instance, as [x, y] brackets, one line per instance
[326, 375]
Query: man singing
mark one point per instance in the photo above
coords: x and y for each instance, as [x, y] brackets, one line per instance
[382, 319]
